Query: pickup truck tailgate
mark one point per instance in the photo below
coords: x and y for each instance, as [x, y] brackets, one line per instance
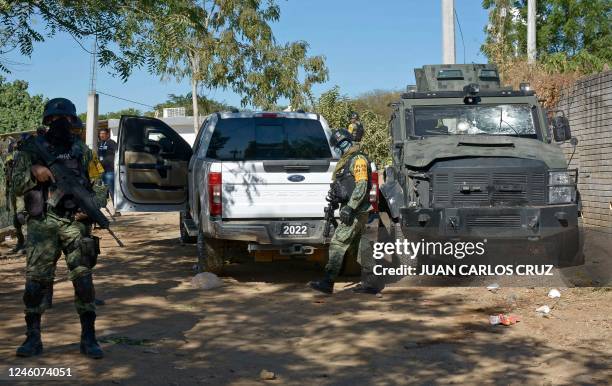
[275, 189]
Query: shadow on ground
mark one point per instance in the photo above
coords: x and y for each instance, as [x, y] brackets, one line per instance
[157, 329]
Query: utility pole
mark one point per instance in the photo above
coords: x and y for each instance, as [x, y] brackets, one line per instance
[92, 103]
[531, 31]
[448, 31]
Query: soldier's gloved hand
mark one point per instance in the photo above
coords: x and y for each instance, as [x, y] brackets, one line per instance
[42, 173]
[347, 215]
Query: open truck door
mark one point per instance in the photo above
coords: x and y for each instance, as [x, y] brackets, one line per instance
[151, 166]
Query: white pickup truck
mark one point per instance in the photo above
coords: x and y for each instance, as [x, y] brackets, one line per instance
[256, 180]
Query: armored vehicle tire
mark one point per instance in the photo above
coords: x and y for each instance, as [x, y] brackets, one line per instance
[210, 254]
[184, 237]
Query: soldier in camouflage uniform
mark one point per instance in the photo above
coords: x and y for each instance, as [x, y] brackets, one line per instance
[95, 172]
[351, 188]
[56, 225]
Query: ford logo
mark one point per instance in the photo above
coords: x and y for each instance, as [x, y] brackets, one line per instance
[296, 178]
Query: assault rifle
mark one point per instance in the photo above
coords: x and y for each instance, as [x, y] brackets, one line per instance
[68, 183]
[329, 210]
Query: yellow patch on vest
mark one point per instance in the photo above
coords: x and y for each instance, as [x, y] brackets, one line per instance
[351, 128]
[95, 168]
[360, 170]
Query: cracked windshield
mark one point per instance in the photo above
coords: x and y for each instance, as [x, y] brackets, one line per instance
[515, 120]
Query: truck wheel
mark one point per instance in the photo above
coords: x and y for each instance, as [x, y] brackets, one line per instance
[210, 254]
[185, 238]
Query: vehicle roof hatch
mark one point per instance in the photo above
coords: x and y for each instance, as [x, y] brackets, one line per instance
[453, 77]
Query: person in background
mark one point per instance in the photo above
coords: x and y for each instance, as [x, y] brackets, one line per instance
[355, 127]
[106, 153]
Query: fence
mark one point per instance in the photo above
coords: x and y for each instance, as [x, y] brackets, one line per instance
[588, 107]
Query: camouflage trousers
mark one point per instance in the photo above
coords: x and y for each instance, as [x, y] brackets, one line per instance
[348, 240]
[48, 237]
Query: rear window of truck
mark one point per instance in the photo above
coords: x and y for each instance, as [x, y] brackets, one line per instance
[258, 139]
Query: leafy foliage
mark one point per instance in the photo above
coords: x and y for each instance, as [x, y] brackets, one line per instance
[229, 44]
[113, 22]
[336, 109]
[378, 101]
[572, 35]
[225, 44]
[19, 111]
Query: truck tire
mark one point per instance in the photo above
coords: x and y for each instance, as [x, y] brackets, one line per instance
[210, 254]
[184, 237]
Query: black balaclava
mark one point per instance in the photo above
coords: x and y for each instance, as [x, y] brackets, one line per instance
[59, 134]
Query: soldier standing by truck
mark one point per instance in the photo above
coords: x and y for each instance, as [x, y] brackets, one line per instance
[355, 127]
[350, 189]
[56, 223]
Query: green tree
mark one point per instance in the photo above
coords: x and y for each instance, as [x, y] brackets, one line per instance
[377, 101]
[114, 23]
[572, 35]
[229, 44]
[19, 111]
[336, 109]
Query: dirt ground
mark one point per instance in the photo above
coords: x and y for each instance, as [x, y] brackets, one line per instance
[158, 330]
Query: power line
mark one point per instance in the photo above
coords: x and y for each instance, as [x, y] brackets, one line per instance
[124, 99]
[460, 34]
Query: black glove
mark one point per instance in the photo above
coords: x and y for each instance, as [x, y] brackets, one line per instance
[347, 215]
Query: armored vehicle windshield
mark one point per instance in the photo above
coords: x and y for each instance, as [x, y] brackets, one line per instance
[504, 119]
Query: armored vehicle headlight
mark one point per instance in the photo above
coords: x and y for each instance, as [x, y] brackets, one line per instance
[561, 187]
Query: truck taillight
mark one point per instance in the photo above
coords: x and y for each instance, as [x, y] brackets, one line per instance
[374, 192]
[214, 194]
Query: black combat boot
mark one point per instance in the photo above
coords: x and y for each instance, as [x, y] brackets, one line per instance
[325, 285]
[89, 344]
[32, 345]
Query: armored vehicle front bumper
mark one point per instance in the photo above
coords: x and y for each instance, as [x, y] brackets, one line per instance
[554, 228]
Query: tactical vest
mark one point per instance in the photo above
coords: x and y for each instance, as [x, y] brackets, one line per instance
[43, 195]
[344, 182]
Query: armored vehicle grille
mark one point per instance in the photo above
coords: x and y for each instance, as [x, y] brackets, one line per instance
[485, 187]
[500, 221]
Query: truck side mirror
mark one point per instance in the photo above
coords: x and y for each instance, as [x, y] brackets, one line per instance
[561, 128]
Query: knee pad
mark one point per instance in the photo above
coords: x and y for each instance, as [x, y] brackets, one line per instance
[84, 288]
[33, 294]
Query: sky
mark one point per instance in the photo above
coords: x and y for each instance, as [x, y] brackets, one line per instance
[368, 45]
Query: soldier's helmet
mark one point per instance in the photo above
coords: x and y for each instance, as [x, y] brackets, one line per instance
[340, 136]
[354, 115]
[59, 106]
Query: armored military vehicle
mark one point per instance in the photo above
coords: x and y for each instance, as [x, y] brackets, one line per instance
[475, 161]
